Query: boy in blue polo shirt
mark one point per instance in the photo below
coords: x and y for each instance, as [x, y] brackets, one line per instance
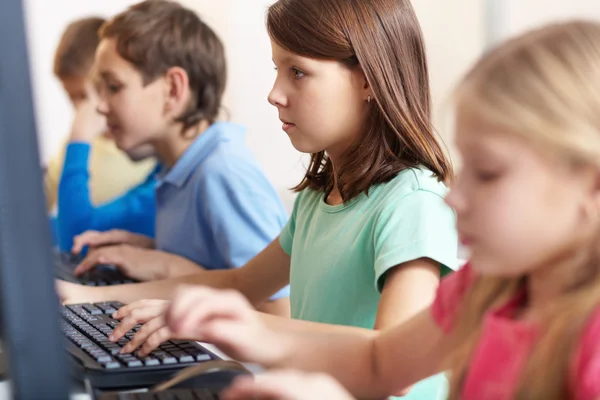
[163, 74]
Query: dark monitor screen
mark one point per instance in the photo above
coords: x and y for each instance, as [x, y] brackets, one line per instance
[33, 346]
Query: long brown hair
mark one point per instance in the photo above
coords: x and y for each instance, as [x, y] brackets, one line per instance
[383, 38]
[544, 87]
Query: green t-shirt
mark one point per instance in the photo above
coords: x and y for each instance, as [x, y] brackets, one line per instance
[340, 254]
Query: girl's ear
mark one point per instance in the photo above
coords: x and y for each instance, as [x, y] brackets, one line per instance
[366, 87]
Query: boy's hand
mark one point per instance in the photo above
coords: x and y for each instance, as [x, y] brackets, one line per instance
[137, 263]
[88, 123]
[112, 237]
[286, 385]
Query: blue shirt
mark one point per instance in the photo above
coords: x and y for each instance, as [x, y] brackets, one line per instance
[215, 206]
[134, 211]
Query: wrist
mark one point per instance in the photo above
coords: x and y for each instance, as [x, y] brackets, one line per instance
[77, 137]
[88, 294]
[164, 267]
[177, 266]
[280, 353]
[143, 241]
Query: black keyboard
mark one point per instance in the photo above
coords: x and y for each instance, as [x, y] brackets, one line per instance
[101, 275]
[171, 394]
[87, 327]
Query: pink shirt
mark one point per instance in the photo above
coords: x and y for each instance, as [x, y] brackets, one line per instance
[505, 343]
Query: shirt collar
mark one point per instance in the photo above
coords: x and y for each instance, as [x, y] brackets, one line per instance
[199, 150]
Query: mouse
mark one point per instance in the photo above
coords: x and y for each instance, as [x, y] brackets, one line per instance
[211, 375]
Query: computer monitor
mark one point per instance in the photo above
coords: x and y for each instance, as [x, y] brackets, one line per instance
[33, 345]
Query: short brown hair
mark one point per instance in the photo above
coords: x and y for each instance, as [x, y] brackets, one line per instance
[75, 53]
[383, 38]
[156, 35]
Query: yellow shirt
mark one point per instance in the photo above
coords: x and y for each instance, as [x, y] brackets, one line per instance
[111, 172]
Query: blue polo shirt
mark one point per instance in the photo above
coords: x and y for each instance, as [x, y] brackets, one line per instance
[215, 206]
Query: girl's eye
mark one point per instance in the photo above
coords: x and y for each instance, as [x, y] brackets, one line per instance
[487, 176]
[297, 73]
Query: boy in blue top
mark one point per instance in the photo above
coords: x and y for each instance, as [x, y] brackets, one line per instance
[162, 74]
[91, 183]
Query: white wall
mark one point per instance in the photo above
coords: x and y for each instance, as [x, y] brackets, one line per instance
[455, 37]
[453, 32]
[516, 16]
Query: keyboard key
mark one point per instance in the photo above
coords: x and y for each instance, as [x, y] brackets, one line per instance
[182, 356]
[126, 357]
[199, 354]
[165, 358]
[112, 365]
[203, 357]
[104, 359]
[116, 304]
[92, 309]
[149, 361]
[106, 307]
[134, 363]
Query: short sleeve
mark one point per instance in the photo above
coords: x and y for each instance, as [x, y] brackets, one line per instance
[420, 225]
[286, 238]
[449, 296]
[587, 373]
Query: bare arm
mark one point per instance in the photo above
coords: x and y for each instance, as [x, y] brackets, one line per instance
[259, 279]
[369, 363]
[371, 367]
[408, 291]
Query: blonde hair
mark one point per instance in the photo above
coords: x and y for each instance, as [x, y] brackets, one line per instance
[545, 87]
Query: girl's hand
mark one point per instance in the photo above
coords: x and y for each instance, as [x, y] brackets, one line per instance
[286, 385]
